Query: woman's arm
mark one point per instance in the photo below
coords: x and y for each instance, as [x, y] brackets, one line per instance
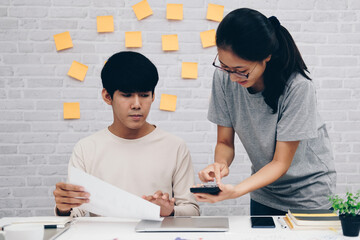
[284, 154]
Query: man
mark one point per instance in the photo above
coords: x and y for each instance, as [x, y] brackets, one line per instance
[131, 153]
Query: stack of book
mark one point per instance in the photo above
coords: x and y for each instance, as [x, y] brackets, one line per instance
[312, 219]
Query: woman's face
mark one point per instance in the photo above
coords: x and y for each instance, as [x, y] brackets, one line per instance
[254, 70]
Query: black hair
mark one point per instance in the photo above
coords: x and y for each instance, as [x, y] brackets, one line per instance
[129, 72]
[253, 37]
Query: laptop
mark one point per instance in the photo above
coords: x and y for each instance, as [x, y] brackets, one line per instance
[185, 224]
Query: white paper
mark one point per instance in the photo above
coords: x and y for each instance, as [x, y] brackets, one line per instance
[109, 201]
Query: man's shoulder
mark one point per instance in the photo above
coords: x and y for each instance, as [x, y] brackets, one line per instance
[170, 137]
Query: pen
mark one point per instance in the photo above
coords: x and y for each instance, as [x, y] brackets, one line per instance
[282, 223]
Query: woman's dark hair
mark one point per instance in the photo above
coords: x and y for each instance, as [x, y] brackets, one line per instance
[129, 72]
[253, 37]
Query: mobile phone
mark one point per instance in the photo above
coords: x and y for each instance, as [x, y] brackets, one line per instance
[210, 189]
[262, 222]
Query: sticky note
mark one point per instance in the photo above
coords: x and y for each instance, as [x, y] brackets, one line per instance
[78, 71]
[142, 10]
[133, 39]
[168, 102]
[215, 12]
[63, 41]
[208, 38]
[174, 11]
[72, 110]
[105, 23]
[170, 42]
[189, 70]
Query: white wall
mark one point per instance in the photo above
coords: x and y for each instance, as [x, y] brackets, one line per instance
[35, 142]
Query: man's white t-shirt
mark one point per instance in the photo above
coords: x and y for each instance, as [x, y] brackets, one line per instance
[157, 161]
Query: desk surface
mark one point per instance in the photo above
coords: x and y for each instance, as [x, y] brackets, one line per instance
[240, 228]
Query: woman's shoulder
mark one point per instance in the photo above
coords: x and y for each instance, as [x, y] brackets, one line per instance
[298, 82]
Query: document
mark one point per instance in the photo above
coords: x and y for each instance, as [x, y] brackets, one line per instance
[109, 201]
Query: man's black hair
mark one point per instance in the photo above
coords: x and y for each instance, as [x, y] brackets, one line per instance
[129, 72]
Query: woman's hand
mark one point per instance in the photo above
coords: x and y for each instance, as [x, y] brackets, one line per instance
[227, 191]
[215, 170]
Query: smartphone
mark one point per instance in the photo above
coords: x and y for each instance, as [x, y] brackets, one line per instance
[262, 222]
[210, 189]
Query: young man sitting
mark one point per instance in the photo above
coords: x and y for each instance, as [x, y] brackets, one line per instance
[131, 153]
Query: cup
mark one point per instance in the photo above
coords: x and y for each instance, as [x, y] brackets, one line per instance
[23, 231]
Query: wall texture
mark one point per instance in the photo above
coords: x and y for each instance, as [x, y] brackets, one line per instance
[35, 141]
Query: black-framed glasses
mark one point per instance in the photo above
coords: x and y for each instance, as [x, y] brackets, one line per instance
[238, 74]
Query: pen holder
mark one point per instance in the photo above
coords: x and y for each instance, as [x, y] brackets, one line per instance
[23, 231]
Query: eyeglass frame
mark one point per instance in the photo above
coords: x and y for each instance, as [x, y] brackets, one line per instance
[238, 74]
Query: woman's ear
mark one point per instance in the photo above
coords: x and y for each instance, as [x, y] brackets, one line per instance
[106, 96]
[268, 58]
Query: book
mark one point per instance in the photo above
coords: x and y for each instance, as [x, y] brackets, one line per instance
[321, 217]
[293, 226]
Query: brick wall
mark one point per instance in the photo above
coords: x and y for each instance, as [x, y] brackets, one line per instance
[35, 142]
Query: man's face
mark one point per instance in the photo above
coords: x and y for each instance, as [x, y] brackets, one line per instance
[130, 109]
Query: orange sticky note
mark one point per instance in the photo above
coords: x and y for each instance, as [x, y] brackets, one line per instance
[208, 38]
[78, 70]
[174, 11]
[63, 41]
[133, 39]
[170, 42]
[142, 10]
[72, 110]
[168, 102]
[189, 70]
[105, 23]
[215, 12]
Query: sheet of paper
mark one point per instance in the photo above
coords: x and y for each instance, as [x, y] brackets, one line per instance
[142, 10]
[110, 201]
[78, 71]
[105, 23]
[133, 39]
[215, 12]
[168, 102]
[208, 38]
[71, 110]
[46, 220]
[189, 70]
[174, 11]
[63, 41]
[170, 42]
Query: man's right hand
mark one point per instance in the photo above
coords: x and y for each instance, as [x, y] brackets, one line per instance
[215, 170]
[68, 196]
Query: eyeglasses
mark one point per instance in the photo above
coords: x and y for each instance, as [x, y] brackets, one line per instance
[238, 74]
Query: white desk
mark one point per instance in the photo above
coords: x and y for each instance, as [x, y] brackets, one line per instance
[109, 229]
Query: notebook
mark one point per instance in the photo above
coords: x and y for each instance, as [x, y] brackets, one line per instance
[185, 224]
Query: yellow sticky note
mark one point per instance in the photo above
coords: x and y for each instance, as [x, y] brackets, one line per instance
[215, 12]
[133, 39]
[142, 10]
[174, 11]
[208, 38]
[78, 70]
[63, 41]
[170, 42]
[168, 102]
[72, 110]
[105, 23]
[189, 70]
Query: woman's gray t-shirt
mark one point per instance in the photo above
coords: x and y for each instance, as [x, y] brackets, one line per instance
[311, 177]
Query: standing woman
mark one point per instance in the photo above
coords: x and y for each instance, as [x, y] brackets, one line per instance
[262, 92]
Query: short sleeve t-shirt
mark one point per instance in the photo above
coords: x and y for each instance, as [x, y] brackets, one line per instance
[311, 177]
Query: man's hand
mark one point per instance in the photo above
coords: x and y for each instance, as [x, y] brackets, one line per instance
[68, 196]
[215, 170]
[162, 199]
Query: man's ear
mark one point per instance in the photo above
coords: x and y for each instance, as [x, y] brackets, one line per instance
[106, 96]
[153, 96]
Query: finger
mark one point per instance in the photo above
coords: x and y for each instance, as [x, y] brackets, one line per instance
[165, 196]
[217, 173]
[74, 194]
[149, 198]
[69, 187]
[158, 194]
[65, 200]
[205, 176]
[172, 201]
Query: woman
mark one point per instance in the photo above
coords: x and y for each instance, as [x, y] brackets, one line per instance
[262, 92]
